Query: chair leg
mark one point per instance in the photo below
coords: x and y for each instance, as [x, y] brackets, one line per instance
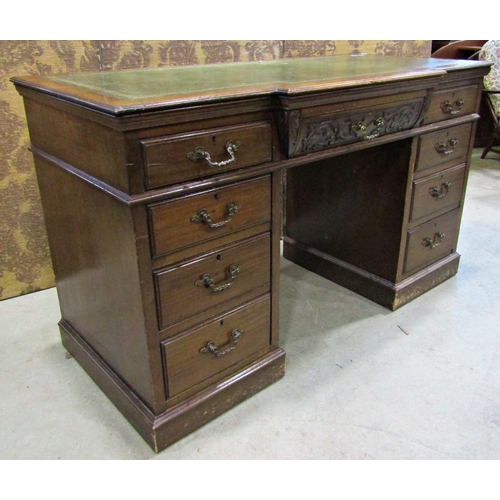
[487, 149]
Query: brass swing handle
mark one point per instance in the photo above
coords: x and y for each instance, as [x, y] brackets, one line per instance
[440, 193]
[360, 128]
[434, 242]
[452, 108]
[207, 281]
[204, 217]
[200, 154]
[211, 348]
[441, 147]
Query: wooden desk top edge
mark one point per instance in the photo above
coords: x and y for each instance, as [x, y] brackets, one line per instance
[285, 77]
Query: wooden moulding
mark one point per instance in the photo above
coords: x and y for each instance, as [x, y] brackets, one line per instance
[383, 292]
[160, 431]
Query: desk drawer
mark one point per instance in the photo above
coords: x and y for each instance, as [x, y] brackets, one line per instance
[437, 194]
[452, 103]
[217, 345]
[183, 157]
[316, 133]
[431, 241]
[188, 221]
[443, 146]
[198, 285]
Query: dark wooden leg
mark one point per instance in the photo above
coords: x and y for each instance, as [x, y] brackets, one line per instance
[487, 149]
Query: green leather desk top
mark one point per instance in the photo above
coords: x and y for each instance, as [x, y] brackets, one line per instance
[127, 91]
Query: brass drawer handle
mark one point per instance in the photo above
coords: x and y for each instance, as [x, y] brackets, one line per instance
[434, 242]
[207, 281]
[204, 217]
[360, 128]
[440, 193]
[452, 108]
[200, 154]
[211, 348]
[379, 123]
[441, 147]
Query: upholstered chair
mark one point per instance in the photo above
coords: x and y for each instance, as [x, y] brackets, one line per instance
[491, 52]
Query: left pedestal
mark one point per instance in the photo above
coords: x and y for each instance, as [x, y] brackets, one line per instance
[167, 270]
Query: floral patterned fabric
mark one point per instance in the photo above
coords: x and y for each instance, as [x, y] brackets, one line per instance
[491, 52]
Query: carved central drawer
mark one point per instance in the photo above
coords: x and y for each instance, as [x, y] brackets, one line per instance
[303, 134]
[205, 282]
[215, 346]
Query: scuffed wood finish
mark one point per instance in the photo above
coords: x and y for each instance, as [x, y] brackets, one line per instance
[159, 259]
[163, 429]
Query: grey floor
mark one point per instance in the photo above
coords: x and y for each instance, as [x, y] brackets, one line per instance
[362, 382]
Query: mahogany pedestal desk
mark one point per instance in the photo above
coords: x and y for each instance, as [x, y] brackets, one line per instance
[162, 196]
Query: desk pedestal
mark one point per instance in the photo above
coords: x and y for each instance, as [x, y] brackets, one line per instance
[347, 219]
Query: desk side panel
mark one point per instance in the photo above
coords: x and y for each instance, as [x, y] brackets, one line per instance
[87, 145]
[93, 248]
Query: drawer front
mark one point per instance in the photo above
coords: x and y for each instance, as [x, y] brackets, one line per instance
[431, 241]
[324, 132]
[437, 194]
[443, 146]
[206, 216]
[196, 286]
[452, 103]
[183, 157]
[208, 350]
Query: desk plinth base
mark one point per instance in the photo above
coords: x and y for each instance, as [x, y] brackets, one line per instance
[160, 431]
[383, 292]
